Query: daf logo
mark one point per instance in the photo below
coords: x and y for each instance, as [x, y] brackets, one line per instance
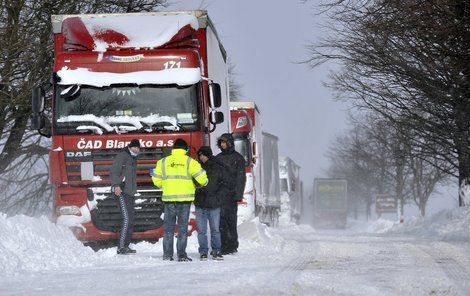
[77, 154]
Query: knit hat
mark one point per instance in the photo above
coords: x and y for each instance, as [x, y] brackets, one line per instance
[180, 144]
[205, 150]
[134, 143]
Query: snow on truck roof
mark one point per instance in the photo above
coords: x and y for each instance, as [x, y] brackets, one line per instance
[243, 105]
[82, 76]
[100, 32]
[145, 22]
[103, 32]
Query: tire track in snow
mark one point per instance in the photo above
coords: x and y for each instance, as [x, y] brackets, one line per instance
[444, 256]
[282, 282]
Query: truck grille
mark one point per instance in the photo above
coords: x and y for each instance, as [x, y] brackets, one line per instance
[148, 209]
[102, 160]
[106, 215]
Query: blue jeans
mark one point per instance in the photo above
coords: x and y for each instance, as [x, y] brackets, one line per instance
[175, 212]
[203, 215]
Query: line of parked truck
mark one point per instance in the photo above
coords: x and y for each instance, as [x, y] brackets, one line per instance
[271, 179]
[157, 77]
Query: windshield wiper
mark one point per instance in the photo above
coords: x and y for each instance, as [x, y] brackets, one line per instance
[161, 123]
[129, 121]
[89, 128]
[88, 118]
[166, 126]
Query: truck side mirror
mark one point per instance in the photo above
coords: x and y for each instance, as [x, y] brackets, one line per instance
[215, 95]
[37, 121]
[37, 99]
[37, 118]
[216, 117]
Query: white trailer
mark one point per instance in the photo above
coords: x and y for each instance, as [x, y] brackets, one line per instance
[268, 205]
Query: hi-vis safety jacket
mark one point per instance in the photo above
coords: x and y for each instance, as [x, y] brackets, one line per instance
[175, 174]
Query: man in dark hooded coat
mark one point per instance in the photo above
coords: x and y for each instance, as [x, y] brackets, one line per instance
[234, 164]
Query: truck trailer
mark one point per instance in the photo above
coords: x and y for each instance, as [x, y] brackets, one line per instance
[268, 203]
[154, 76]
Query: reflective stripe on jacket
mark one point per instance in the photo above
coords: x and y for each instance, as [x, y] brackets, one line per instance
[175, 174]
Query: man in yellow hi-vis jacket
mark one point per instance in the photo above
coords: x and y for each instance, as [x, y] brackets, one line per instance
[176, 174]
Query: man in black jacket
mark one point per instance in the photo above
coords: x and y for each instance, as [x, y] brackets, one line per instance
[234, 164]
[207, 202]
[124, 187]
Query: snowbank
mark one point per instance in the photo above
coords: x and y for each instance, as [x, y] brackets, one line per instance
[445, 225]
[35, 244]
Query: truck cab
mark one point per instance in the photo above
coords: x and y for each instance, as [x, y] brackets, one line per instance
[152, 76]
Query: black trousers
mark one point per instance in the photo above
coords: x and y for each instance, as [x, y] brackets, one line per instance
[228, 226]
[126, 205]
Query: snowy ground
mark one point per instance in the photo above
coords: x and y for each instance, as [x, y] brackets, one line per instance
[428, 257]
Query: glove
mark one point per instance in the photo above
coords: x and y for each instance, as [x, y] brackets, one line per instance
[196, 184]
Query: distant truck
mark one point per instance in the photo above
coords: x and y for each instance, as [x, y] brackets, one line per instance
[153, 76]
[260, 149]
[330, 203]
[291, 188]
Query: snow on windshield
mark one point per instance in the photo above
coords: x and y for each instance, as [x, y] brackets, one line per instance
[135, 121]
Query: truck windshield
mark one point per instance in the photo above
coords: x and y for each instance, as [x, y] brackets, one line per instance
[125, 108]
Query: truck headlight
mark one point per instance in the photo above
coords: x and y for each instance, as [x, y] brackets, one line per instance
[69, 210]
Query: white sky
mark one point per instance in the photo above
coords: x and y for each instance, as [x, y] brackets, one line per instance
[264, 39]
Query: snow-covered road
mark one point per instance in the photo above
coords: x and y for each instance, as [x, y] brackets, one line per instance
[289, 260]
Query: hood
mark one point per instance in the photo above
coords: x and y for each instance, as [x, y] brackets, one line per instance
[227, 137]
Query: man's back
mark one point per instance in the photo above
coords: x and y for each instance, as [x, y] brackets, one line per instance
[175, 173]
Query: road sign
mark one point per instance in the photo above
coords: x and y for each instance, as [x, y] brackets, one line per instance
[385, 203]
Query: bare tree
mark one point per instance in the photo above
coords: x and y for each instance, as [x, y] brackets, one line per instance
[26, 55]
[376, 157]
[363, 158]
[408, 60]
[235, 88]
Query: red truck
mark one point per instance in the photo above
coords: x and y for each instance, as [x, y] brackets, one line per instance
[262, 193]
[246, 128]
[152, 76]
